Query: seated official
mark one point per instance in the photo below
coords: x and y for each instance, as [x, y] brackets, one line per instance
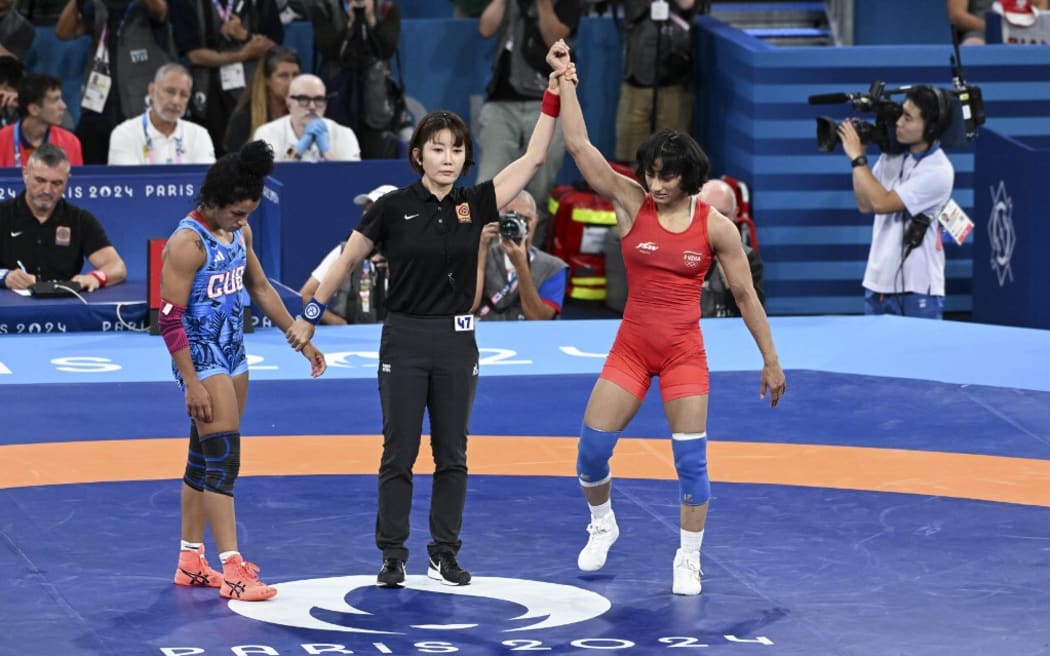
[716, 300]
[516, 280]
[159, 135]
[305, 134]
[41, 111]
[360, 298]
[44, 237]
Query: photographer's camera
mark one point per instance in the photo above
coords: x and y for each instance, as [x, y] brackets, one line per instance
[513, 226]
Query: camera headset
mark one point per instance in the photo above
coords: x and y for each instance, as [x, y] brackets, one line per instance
[936, 125]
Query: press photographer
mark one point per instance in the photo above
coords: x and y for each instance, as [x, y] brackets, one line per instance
[906, 189]
[515, 279]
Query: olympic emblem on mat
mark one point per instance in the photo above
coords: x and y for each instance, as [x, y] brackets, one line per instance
[325, 604]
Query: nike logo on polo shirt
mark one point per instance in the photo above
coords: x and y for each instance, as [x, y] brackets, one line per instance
[16, 234]
[409, 217]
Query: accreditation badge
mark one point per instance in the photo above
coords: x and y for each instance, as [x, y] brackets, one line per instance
[231, 76]
[96, 91]
[63, 236]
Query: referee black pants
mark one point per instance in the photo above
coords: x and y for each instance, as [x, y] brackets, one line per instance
[424, 363]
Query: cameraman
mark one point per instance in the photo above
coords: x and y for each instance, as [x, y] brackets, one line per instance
[905, 271]
[515, 279]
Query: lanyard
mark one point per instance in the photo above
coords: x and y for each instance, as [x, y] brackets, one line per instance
[17, 134]
[226, 12]
[509, 288]
[147, 147]
[102, 52]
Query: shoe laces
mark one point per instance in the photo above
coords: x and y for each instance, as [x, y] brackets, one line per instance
[447, 562]
[599, 527]
[249, 571]
[691, 564]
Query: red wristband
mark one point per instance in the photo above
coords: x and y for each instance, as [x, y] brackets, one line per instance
[551, 104]
[101, 276]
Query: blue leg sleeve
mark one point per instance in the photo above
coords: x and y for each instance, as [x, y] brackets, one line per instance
[592, 455]
[690, 460]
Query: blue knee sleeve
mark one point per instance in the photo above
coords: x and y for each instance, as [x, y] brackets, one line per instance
[690, 460]
[592, 455]
[195, 466]
[222, 458]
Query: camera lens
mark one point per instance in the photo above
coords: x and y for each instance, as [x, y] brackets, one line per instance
[513, 226]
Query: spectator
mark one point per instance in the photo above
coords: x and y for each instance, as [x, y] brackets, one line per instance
[305, 135]
[357, 39]
[40, 110]
[222, 40]
[360, 297]
[10, 74]
[516, 279]
[265, 99]
[159, 135]
[716, 300]
[905, 271]
[16, 33]
[967, 17]
[44, 237]
[130, 42]
[524, 29]
[654, 93]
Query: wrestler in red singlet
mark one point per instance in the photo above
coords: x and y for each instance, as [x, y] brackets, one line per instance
[660, 333]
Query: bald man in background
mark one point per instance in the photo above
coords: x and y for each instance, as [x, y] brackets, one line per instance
[716, 299]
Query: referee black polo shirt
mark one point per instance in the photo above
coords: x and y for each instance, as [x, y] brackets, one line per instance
[431, 245]
[54, 249]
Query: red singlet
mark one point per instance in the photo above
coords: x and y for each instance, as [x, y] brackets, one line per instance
[660, 333]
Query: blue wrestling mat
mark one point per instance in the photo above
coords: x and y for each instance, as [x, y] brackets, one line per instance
[896, 502]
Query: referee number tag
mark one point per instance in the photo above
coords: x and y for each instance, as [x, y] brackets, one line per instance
[463, 322]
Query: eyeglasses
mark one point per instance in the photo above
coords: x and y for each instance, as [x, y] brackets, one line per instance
[304, 101]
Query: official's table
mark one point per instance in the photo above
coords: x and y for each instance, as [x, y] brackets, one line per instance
[121, 307]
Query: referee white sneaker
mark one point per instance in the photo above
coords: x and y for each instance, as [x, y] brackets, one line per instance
[603, 533]
[686, 573]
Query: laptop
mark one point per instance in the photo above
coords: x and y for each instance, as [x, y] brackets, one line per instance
[54, 288]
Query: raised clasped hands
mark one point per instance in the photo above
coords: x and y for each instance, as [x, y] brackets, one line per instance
[561, 65]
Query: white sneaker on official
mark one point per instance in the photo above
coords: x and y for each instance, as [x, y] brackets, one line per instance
[604, 533]
[686, 573]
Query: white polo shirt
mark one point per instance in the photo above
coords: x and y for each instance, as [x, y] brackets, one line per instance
[137, 141]
[343, 146]
[924, 185]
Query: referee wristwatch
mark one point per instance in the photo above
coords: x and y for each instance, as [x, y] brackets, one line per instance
[861, 160]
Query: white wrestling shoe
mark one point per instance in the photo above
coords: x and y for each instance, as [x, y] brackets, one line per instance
[604, 533]
[686, 573]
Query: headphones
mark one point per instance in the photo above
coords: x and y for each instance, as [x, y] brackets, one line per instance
[936, 125]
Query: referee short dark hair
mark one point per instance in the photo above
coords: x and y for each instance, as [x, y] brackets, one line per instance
[433, 123]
